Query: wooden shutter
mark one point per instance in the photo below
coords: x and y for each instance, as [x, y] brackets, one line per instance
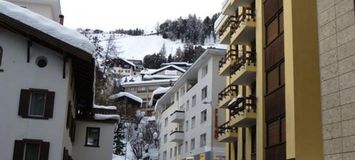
[44, 153]
[24, 103]
[49, 104]
[18, 150]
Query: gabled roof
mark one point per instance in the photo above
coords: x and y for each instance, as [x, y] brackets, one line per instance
[128, 95]
[167, 67]
[45, 31]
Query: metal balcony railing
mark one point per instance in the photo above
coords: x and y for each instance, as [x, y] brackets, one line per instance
[247, 14]
[227, 91]
[226, 127]
[244, 58]
[231, 54]
[243, 105]
[230, 21]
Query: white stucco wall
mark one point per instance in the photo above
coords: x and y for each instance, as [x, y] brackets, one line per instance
[48, 8]
[17, 75]
[103, 152]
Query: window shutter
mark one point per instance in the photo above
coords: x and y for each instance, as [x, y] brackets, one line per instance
[18, 150]
[49, 104]
[24, 103]
[44, 153]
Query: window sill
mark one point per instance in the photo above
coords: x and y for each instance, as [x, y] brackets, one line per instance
[94, 146]
[32, 117]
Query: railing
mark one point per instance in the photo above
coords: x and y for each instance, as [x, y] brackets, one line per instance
[177, 111]
[226, 91]
[173, 132]
[247, 14]
[243, 105]
[226, 127]
[244, 58]
[231, 54]
[230, 21]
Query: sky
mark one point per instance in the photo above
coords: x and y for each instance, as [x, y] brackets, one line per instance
[144, 14]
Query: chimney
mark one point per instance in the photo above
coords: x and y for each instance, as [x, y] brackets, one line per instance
[61, 19]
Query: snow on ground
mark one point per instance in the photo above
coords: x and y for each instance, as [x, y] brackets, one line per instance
[46, 25]
[137, 47]
[105, 107]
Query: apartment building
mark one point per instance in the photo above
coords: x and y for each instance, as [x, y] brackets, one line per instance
[271, 99]
[337, 54]
[187, 113]
[47, 76]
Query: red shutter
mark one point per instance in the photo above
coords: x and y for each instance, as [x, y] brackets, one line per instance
[44, 153]
[24, 103]
[18, 150]
[49, 104]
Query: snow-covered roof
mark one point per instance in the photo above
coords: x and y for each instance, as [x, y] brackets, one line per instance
[149, 82]
[126, 94]
[148, 71]
[46, 26]
[129, 62]
[98, 116]
[177, 63]
[105, 107]
[160, 90]
[166, 67]
[235, 99]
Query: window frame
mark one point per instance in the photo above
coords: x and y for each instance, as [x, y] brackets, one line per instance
[204, 92]
[203, 138]
[1, 55]
[30, 105]
[204, 116]
[192, 145]
[25, 103]
[194, 101]
[193, 122]
[88, 129]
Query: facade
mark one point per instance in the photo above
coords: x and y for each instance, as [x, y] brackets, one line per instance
[123, 67]
[187, 115]
[337, 53]
[127, 104]
[47, 86]
[272, 97]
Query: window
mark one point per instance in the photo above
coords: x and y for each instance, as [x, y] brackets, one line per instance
[275, 78]
[204, 93]
[36, 103]
[166, 122]
[192, 143]
[164, 155]
[202, 140]
[171, 153]
[204, 116]
[1, 52]
[204, 71]
[175, 151]
[30, 149]
[180, 149]
[276, 132]
[186, 146]
[187, 125]
[92, 137]
[193, 100]
[165, 138]
[193, 120]
[187, 105]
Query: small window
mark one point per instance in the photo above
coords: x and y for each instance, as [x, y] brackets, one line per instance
[180, 149]
[202, 140]
[166, 122]
[175, 151]
[165, 138]
[171, 153]
[204, 71]
[164, 155]
[193, 100]
[187, 126]
[41, 61]
[204, 93]
[92, 136]
[204, 116]
[36, 103]
[192, 143]
[193, 120]
[186, 146]
[29, 149]
[187, 105]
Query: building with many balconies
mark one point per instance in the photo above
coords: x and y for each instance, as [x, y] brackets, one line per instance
[272, 80]
[187, 113]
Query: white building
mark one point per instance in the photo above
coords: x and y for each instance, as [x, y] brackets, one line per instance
[187, 113]
[46, 90]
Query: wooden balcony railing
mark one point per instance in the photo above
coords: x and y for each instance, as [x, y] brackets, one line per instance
[231, 20]
[231, 54]
[226, 127]
[247, 14]
[245, 58]
[243, 105]
[227, 91]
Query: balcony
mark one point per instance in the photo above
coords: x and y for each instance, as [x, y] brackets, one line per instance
[243, 112]
[223, 26]
[227, 134]
[229, 7]
[177, 116]
[244, 28]
[177, 136]
[226, 95]
[227, 61]
[243, 72]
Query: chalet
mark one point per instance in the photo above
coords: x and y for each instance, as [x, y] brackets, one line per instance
[46, 84]
[127, 104]
[123, 67]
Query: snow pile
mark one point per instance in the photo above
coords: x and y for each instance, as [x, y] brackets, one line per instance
[98, 116]
[152, 81]
[237, 99]
[160, 90]
[105, 107]
[47, 26]
[126, 94]
[163, 68]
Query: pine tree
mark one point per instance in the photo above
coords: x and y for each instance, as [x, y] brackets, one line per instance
[118, 148]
